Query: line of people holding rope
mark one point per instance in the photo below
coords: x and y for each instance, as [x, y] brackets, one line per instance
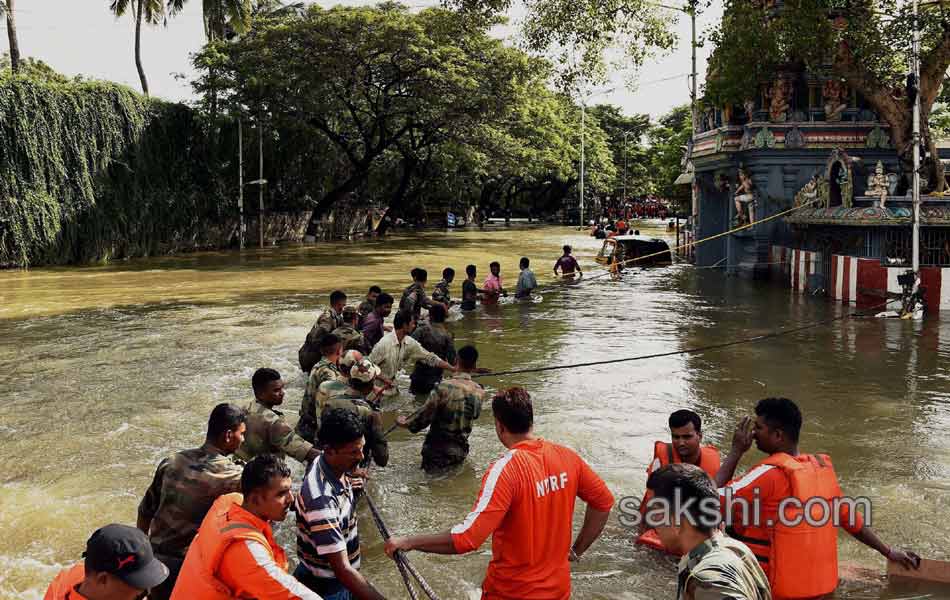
[205, 523]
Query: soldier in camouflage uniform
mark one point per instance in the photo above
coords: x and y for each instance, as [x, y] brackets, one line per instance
[414, 297]
[330, 319]
[350, 336]
[441, 291]
[185, 486]
[452, 407]
[267, 430]
[369, 304]
[352, 396]
[713, 566]
[325, 370]
[434, 337]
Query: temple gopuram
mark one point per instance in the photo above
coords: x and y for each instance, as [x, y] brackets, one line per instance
[811, 143]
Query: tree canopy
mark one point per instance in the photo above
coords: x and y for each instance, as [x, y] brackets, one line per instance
[579, 34]
[391, 105]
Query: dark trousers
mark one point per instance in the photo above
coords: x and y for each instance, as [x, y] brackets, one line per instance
[328, 589]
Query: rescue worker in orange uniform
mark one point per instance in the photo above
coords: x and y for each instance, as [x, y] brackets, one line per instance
[234, 554]
[527, 505]
[118, 565]
[686, 438]
[799, 555]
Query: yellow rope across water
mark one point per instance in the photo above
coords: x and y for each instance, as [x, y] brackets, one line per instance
[702, 241]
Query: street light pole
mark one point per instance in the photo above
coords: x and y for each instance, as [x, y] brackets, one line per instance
[241, 184]
[692, 106]
[260, 189]
[624, 198]
[583, 119]
[915, 51]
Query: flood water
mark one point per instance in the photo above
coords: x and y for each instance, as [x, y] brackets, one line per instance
[105, 370]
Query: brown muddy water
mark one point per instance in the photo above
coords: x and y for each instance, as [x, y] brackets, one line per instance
[105, 370]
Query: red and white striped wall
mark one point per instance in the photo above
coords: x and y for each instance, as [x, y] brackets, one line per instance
[862, 282]
[802, 264]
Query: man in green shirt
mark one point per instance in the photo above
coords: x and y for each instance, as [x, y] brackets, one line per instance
[267, 430]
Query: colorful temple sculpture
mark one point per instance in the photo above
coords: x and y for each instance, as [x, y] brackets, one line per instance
[811, 148]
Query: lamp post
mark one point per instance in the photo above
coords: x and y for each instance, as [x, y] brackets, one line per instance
[584, 99]
[625, 135]
[915, 66]
[240, 185]
[689, 9]
[580, 219]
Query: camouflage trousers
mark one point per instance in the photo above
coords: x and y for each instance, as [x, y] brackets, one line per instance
[443, 455]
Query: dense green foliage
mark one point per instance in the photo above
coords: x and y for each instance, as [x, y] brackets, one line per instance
[668, 139]
[416, 112]
[94, 170]
[582, 35]
[626, 137]
[404, 109]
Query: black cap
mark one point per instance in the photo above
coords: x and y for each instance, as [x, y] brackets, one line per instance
[125, 552]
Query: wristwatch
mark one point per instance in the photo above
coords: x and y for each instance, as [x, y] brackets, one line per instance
[573, 556]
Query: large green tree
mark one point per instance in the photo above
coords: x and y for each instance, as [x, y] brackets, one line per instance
[368, 81]
[219, 16]
[580, 35]
[625, 136]
[865, 42]
[150, 12]
[668, 139]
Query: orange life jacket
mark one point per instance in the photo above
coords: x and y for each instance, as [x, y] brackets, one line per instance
[708, 457]
[63, 587]
[224, 525]
[666, 454]
[800, 561]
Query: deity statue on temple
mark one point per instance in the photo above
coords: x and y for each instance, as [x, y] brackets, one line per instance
[780, 96]
[834, 93]
[749, 106]
[878, 185]
[809, 193]
[744, 198]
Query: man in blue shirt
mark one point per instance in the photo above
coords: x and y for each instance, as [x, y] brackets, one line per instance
[526, 280]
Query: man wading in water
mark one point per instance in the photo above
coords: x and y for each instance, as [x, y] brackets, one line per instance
[567, 264]
[527, 504]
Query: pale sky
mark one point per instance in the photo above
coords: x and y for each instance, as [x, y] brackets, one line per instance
[82, 37]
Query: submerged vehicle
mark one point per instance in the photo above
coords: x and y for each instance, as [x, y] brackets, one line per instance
[629, 248]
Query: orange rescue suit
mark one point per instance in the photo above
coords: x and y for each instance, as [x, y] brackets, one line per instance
[64, 586]
[801, 561]
[666, 454]
[225, 524]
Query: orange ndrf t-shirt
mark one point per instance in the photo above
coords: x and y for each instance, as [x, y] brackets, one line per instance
[527, 502]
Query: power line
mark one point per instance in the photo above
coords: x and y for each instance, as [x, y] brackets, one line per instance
[697, 350]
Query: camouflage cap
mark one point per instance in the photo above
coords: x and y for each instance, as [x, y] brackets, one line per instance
[350, 312]
[349, 359]
[364, 371]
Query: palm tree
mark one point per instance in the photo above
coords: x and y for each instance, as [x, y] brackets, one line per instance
[6, 8]
[149, 11]
[219, 15]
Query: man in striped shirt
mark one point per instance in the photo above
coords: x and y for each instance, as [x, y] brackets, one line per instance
[328, 543]
[527, 505]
